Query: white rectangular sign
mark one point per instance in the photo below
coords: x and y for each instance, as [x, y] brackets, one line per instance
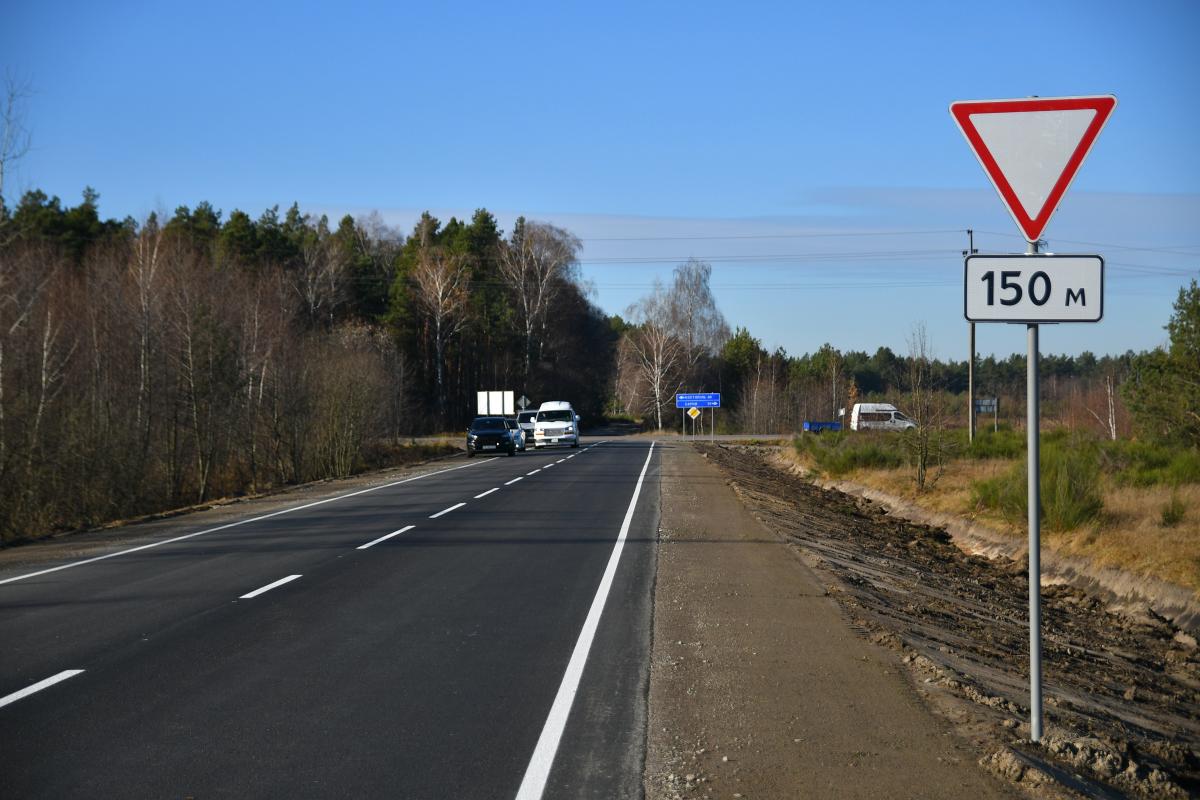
[493, 402]
[1034, 288]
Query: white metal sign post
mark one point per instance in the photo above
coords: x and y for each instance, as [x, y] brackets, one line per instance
[1031, 150]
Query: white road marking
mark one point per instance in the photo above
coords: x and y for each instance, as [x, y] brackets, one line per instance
[572, 455]
[535, 472]
[485, 494]
[269, 587]
[239, 522]
[514, 480]
[37, 687]
[385, 537]
[446, 510]
[538, 771]
[560, 461]
[548, 466]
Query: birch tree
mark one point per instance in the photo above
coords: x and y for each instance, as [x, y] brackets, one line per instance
[694, 317]
[535, 263]
[440, 283]
[659, 355]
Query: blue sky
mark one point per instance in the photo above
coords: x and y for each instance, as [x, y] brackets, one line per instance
[806, 151]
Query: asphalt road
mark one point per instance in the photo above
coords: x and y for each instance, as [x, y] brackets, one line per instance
[436, 663]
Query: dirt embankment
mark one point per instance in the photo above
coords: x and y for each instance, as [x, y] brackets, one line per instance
[1122, 693]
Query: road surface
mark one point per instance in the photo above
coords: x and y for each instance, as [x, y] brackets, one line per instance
[436, 637]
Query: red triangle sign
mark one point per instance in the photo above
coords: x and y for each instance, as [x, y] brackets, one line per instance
[1032, 148]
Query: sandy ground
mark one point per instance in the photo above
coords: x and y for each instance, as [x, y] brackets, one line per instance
[1122, 693]
[760, 687]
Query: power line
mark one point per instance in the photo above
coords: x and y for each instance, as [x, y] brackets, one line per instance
[1177, 250]
[767, 236]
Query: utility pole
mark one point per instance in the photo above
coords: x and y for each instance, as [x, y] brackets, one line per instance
[970, 251]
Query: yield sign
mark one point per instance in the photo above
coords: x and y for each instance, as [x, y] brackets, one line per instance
[1032, 148]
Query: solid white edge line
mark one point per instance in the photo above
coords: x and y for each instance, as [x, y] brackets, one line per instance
[269, 587]
[385, 537]
[485, 494]
[37, 687]
[538, 771]
[514, 480]
[446, 510]
[240, 522]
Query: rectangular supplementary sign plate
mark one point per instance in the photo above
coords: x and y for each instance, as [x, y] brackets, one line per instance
[1034, 288]
[698, 400]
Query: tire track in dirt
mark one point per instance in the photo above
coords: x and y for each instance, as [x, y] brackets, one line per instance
[1122, 694]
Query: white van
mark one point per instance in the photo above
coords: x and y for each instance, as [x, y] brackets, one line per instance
[878, 416]
[556, 423]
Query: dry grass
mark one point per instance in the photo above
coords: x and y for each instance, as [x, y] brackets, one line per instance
[1129, 534]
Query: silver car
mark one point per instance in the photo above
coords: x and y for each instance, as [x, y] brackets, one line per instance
[525, 421]
[515, 431]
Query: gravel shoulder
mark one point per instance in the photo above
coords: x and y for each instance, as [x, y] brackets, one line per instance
[1122, 692]
[760, 686]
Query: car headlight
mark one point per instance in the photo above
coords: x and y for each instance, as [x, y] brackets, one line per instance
[570, 429]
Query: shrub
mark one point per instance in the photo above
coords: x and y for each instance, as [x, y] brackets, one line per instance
[1071, 491]
[1002, 444]
[1152, 463]
[1070, 485]
[840, 453]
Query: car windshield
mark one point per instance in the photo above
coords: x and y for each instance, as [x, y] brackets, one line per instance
[527, 416]
[564, 415]
[487, 424]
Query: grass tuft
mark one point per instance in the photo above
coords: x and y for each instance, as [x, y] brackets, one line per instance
[1174, 510]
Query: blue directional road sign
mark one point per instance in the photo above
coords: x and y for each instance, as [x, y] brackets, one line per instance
[701, 400]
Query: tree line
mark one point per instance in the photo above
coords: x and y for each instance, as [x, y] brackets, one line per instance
[148, 365]
[675, 339]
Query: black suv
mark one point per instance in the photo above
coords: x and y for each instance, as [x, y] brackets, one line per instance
[489, 435]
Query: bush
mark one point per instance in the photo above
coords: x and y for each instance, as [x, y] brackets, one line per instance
[1152, 463]
[989, 444]
[1071, 490]
[1070, 486]
[840, 453]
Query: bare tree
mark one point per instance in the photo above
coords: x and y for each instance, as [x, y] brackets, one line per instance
[535, 264]
[926, 443]
[657, 351]
[695, 319]
[320, 280]
[440, 282]
[15, 139]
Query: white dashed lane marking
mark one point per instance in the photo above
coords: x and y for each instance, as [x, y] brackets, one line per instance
[446, 510]
[37, 687]
[385, 537]
[269, 587]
